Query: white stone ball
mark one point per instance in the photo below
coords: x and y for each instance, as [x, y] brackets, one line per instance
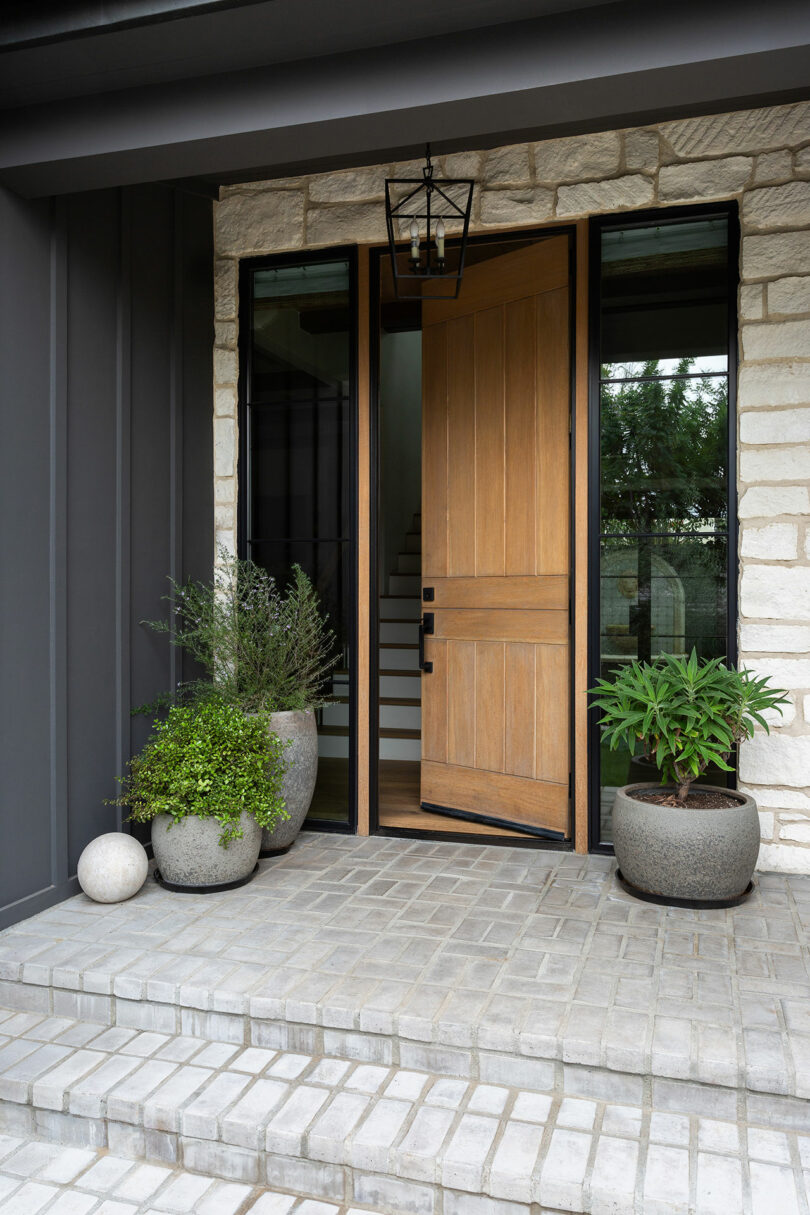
[112, 868]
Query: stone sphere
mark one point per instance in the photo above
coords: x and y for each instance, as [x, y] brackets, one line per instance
[112, 868]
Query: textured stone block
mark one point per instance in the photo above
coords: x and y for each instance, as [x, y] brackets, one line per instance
[776, 340]
[788, 295]
[773, 166]
[781, 384]
[752, 300]
[614, 195]
[775, 464]
[784, 672]
[259, 222]
[770, 592]
[461, 164]
[516, 206]
[350, 223]
[776, 759]
[704, 178]
[225, 288]
[224, 447]
[771, 501]
[775, 542]
[775, 426]
[351, 185]
[642, 150]
[581, 158]
[774, 638]
[507, 166]
[741, 131]
[785, 206]
[774, 255]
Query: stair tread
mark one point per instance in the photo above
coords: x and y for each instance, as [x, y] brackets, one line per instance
[284, 1120]
[399, 671]
[399, 645]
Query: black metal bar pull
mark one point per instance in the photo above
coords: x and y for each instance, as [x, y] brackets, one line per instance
[425, 629]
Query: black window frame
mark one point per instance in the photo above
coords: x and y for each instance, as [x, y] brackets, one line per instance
[597, 225]
[247, 267]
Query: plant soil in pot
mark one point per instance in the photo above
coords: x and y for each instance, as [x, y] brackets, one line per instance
[299, 734]
[704, 851]
[684, 842]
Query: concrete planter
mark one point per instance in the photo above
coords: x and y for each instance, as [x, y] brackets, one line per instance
[298, 728]
[696, 855]
[188, 853]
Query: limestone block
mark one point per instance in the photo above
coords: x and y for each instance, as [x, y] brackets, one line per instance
[786, 673]
[774, 638]
[776, 340]
[775, 254]
[775, 464]
[516, 206]
[779, 799]
[224, 490]
[462, 164]
[789, 295]
[775, 542]
[259, 222]
[806, 708]
[223, 516]
[225, 402]
[226, 367]
[351, 185]
[351, 223]
[225, 288]
[741, 131]
[798, 833]
[224, 447]
[776, 759]
[704, 178]
[580, 158]
[751, 302]
[776, 592]
[225, 333]
[776, 719]
[775, 426]
[766, 823]
[783, 858]
[226, 539]
[773, 166]
[768, 502]
[801, 160]
[785, 206]
[112, 868]
[615, 195]
[642, 150]
[508, 166]
[782, 384]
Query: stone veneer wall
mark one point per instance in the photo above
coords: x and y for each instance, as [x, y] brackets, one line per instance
[760, 157]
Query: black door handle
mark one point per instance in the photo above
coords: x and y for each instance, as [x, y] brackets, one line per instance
[425, 627]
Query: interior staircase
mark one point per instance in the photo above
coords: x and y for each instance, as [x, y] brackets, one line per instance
[398, 653]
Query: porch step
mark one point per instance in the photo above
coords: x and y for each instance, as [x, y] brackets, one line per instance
[402, 657]
[405, 584]
[37, 1175]
[399, 607]
[397, 631]
[395, 742]
[377, 1136]
[405, 713]
[409, 562]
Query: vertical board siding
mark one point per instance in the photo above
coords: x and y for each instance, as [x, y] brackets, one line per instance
[110, 492]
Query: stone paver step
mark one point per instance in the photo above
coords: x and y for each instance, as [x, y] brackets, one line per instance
[40, 1178]
[401, 1140]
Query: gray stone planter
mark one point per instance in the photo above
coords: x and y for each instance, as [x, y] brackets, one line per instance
[298, 728]
[188, 853]
[703, 856]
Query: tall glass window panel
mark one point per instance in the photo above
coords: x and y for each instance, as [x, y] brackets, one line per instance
[664, 476]
[298, 420]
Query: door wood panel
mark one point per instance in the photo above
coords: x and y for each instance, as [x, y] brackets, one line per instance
[496, 541]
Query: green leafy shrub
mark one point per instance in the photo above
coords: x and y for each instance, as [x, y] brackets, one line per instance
[264, 649]
[684, 713]
[211, 760]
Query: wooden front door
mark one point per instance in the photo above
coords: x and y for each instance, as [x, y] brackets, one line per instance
[496, 545]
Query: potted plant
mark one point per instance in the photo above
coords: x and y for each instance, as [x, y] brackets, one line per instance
[680, 841]
[265, 651]
[209, 781]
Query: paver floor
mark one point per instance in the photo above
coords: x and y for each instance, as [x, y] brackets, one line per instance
[472, 948]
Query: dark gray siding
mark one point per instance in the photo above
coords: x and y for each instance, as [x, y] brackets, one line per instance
[106, 330]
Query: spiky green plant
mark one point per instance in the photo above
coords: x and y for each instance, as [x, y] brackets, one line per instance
[684, 713]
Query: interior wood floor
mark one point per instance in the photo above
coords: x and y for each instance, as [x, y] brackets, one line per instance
[399, 804]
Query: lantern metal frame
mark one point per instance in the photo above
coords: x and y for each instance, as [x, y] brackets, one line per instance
[434, 204]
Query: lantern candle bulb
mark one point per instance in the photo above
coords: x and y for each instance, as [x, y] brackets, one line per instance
[440, 240]
[414, 230]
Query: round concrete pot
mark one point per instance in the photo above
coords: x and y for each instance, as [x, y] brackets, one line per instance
[692, 855]
[298, 729]
[188, 853]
